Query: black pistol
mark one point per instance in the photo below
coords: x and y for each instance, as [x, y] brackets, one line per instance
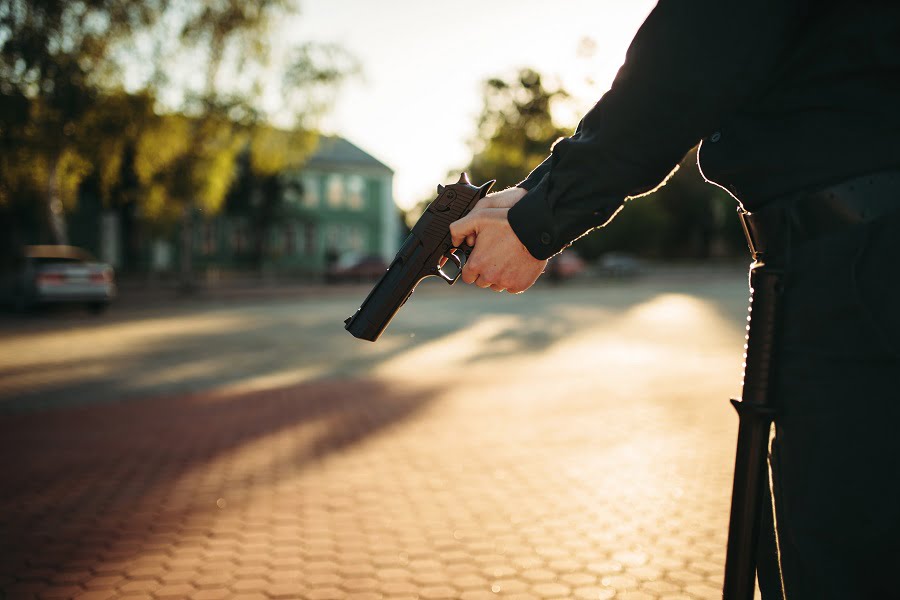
[419, 257]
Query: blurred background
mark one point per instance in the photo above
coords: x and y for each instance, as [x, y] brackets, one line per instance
[229, 178]
[189, 140]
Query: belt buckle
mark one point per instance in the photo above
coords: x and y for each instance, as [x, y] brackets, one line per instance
[744, 217]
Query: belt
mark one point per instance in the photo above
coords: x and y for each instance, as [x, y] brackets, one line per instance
[803, 217]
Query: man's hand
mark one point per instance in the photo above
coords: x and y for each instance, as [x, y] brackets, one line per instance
[499, 260]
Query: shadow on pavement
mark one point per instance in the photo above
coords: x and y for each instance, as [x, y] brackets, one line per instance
[92, 488]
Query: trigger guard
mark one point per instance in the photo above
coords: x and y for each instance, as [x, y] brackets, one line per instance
[458, 262]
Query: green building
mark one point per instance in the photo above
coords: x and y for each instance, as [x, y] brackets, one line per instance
[339, 204]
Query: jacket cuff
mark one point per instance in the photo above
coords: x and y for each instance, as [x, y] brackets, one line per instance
[546, 231]
[531, 220]
[536, 175]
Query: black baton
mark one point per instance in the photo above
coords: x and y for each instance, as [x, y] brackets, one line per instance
[755, 412]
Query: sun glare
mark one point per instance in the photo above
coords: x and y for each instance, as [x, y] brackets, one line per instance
[415, 106]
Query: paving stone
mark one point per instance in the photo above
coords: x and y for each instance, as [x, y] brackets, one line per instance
[440, 592]
[250, 585]
[104, 582]
[288, 590]
[106, 594]
[538, 575]
[364, 596]
[60, 592]
[174, 590]
[578, 579]
[469, 581]
[631, 595]
[659, 587]
[509, 586]
[703, 591]
[559, 483]
[285, 576]
[144, 586]
[323, 579]
[478, 595]
[211, 580]
[211, 594]
[249, 596]
[327, 593]
[551, 590]
[77, 577]
[594, 593]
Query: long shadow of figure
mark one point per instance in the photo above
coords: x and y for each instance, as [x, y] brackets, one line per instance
[91, 489]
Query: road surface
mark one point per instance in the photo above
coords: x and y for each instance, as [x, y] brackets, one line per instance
[571, 442]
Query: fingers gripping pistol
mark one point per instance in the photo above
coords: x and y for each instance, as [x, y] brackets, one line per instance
[420, 256]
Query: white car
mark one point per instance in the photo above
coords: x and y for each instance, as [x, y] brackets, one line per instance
[58, 274]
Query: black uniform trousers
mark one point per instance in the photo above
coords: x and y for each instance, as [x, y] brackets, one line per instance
[835, 456]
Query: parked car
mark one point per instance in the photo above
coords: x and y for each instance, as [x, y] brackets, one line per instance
[41, 275]
[619, 264]
[564, 266]
[353, 268]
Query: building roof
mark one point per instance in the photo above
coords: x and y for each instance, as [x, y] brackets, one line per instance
[334, 151]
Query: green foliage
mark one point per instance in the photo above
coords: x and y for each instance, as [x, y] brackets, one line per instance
[515, 128]
[54, 65]
[514, 132]
[273, 150]
[65, 116]
[260, 184]
[686, 217]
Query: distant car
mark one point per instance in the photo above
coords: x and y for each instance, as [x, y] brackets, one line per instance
[353, 268]
[564, 266]
[619, 264]
[41, 275]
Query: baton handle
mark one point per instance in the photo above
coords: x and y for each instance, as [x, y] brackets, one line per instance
[755, 412]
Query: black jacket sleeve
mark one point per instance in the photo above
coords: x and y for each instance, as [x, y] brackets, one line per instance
[691, 63]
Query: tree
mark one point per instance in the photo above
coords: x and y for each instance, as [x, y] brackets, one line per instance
[259, 187]
[513, 133]
[170, 143]
[684, 218]
[55, 58]
[225, 115]
[515, 129]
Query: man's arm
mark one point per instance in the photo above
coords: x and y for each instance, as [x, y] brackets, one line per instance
[691, 64]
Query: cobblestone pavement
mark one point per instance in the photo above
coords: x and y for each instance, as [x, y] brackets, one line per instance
[577, 444]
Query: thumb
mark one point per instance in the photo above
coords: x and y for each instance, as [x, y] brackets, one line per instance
[462, 229]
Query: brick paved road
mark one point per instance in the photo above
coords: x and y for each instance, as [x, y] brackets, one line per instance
[562, 444]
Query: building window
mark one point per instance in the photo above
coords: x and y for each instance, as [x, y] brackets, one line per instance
[300, 240]
[333, 236]
[335, 190]
[355, 190]
[290, 239]
[276, 241]
[239, 241]
[310, 191]
[355, 239]
[209, 238]
[293, 191]
[309, 238]
[373, 191]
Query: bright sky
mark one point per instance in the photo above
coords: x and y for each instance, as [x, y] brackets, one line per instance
[424, 61]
